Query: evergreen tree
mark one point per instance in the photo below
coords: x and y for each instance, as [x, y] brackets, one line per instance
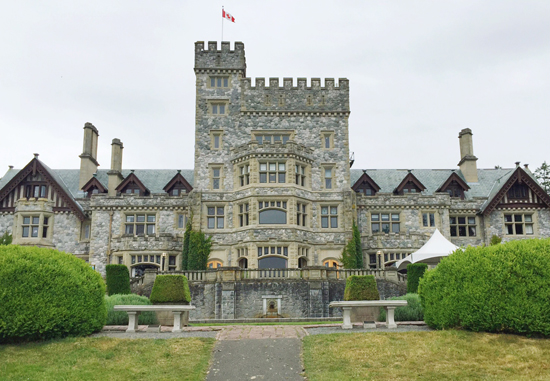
[349, 255]
[358, 247]
[186, 238]
[6, 239]
[543, 176]
[199, 250]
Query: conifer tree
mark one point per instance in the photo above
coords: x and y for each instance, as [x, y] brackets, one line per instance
[186, 238]
[543, 176]
[358, 247]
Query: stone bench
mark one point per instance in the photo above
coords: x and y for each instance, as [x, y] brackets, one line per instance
[181, 313]
[389, 305]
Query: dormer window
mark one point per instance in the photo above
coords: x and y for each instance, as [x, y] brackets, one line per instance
[455, 186]
[177, 186]
[132, 188]
[410, 184]
[365, 185]
[366, 189]
[410, 187]
[518, 191]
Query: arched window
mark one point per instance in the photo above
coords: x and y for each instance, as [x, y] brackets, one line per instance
[330, 263]
[272, 263]
[272, 216]
[214, 264]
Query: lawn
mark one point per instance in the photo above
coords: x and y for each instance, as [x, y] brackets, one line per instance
[107, 359]
[436, 355]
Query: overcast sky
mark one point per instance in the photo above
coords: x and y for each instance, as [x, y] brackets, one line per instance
[419, 72]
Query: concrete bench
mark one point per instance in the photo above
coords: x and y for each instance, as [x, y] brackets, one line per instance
[180, 313]
[389, 305]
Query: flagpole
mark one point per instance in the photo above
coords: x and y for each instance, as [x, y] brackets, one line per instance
[222, 23]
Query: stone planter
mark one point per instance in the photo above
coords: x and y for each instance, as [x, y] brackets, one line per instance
[167, 317]
[362, 314]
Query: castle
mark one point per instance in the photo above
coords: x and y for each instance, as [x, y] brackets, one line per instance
[272, 185]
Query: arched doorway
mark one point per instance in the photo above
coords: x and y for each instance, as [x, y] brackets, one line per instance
[243, 263]
[331, 263]
[139, 270]
[302, 262]
[272, 262]
[214, 264]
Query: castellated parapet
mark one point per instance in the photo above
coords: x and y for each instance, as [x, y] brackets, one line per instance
[213, 60]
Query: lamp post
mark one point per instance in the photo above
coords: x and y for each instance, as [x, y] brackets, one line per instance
[163, 261]
[379, 259]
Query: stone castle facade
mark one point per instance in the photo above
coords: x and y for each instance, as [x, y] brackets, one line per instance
[273, 185]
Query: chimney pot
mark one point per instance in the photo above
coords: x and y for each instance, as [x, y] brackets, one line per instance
[517, 164]
[35, 155]
[526, 166]
[10, 166]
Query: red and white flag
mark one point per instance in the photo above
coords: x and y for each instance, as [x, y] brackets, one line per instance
[226, 15]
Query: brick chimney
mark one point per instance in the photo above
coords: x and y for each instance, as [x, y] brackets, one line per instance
[115, 174]
[88, 158]
[467, 163]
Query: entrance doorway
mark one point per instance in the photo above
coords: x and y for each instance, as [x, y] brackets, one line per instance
[139, 270]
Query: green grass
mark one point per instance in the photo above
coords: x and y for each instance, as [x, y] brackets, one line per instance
[268, 323]
[436, 355]
[107, 359]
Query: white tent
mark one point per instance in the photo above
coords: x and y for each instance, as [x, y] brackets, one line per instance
[431, 253]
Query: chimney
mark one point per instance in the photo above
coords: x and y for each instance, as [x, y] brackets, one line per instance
[88, 158]
[467, 163]
[115, 174]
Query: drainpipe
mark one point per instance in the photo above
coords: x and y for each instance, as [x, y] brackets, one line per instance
[109, 237]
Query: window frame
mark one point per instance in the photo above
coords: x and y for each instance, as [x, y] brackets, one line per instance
[266, 205]
[332, 219]
[214, 107]
[146, 223]
[224, 81]
[380, 221]
[327, 137]
[216, 186]
[467, 225]
[44, 221]
[243, 173]
[244, 214]
[428, 219]
[328, 168]
[302, 214]
[514, 223]
[216, 217]
[300, 173]
[216, 140]
[268, 172]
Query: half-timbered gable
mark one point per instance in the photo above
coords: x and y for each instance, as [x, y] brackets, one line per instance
[178, 185]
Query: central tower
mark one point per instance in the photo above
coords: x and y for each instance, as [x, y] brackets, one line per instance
[272, 176]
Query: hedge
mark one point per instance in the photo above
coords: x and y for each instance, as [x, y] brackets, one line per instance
[45, 294]
[502, 288]
[118, 279]
[121, 317]
[170, 289]
[413, 311]
[361, 287]
[415, 271]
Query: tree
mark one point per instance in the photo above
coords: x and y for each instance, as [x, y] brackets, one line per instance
[543, 176]
[349, 258]
[186, 238]
[199, 250]
[358, 246]
[6, 239]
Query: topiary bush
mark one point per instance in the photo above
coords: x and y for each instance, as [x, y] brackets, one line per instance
[361, 287]
[118, 279]
[170, 289]
[121, 317]
[413, 311]
[502, 288]
[45, 294]
[415, 271]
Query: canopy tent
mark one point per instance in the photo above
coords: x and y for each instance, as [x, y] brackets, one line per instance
[431, 253]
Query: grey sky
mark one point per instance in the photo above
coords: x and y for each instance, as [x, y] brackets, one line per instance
[419, 72]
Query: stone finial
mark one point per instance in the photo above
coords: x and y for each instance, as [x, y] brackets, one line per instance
[517, 164]
[526, 166]
[36, 155]
[179, 170]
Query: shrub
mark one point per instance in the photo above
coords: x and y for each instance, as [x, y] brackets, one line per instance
[118, 279]
[411, 312]
[6, 239]
[415, 271]
[502, 288]
[361, 287]
[121, 317]
[495, 240]
[170, 289]
[47, 294]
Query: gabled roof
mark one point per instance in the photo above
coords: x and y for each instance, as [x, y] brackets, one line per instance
[365, 178]
[178, 178]
[410, 178]
[502, 187]
[132, 178]
[8, 184]
[453, 177]
[94, 183]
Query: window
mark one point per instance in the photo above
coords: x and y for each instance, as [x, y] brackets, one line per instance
[36, 191]
[272, 212]
[132, 188]
[366, 189]
[272, 137]
[309, 100]
[171, 262]
[455, 190]
[301, 214]
[300, 175]
[120, 260]
[138, 224]
[273, 172]
[518, 191]
[272, 250]
[182, 221]
[463, 226]
[281, 100]
[216, 177]
[218, 108]
[328, 174]
[329, 217]
[214, 264]
[518, 224]
[428, 219]
[216, 139]
[219, 81]
[178, 190]
[243, 214]
[35, 226]
[385, 222]
[327, 140]
[85, 231]
[215, 217]
[244, 175]
[330, 263]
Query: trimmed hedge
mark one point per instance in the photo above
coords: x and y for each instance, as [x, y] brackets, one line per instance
[502, 288]
[413, 311]
[46, 294]
[118, 279]
[361, 287]
[415, 271]
[170, 289]
[121, 317]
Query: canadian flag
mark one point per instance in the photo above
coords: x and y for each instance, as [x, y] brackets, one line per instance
[226, 15]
